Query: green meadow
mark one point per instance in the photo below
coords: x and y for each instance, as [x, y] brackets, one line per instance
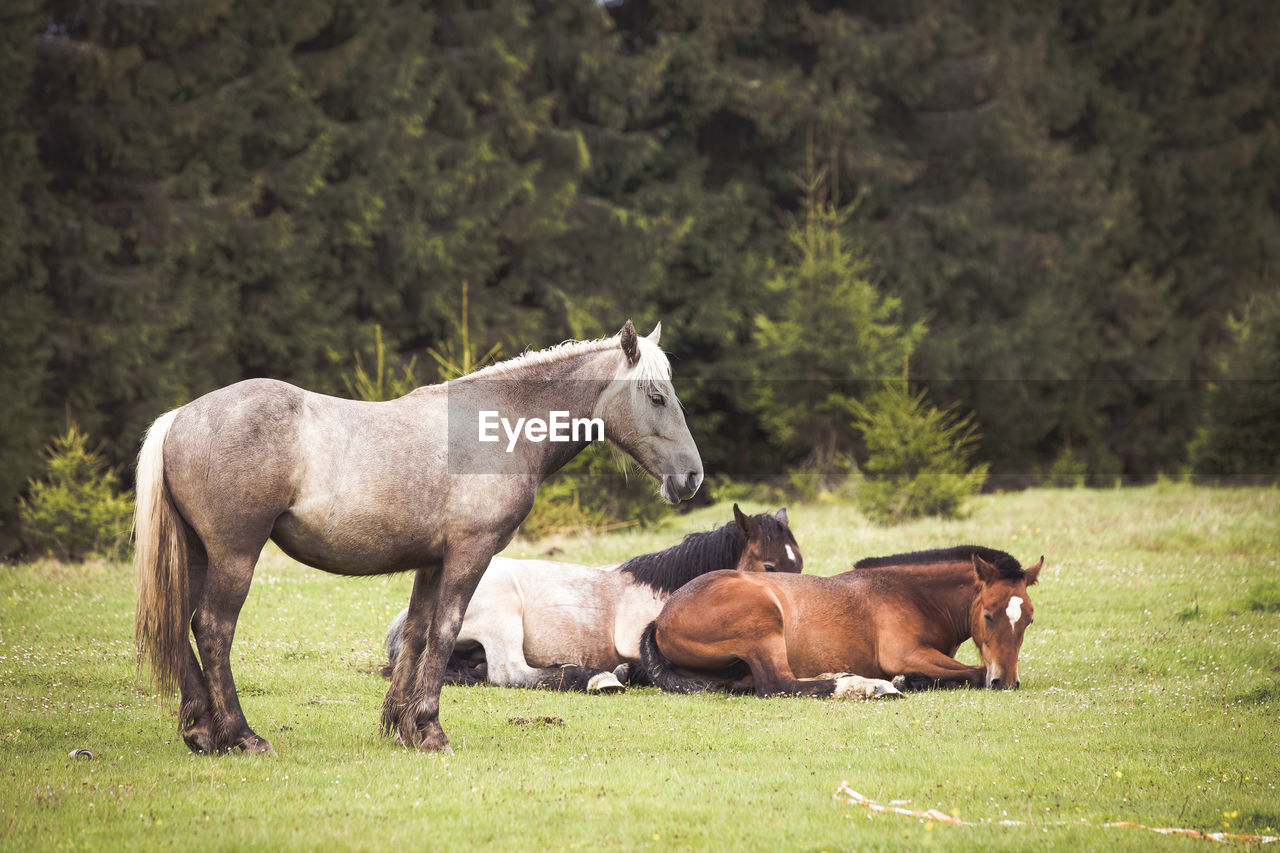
[1150, 694]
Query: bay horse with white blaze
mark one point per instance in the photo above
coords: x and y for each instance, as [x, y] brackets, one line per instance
[563, 626]
[904, 615]
[360, 488]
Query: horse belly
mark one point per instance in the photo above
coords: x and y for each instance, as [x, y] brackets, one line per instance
[355, 544]
[819, 645]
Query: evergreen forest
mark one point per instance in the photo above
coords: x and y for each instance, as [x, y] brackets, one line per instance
[1058, 219]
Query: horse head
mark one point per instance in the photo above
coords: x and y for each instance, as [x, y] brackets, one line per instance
[770, 547]
[642, 416]
[999, 616]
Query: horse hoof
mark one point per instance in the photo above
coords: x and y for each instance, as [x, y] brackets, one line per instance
[426, 740]
[429, 746]
[899, 682]
[198, 741]
[886, 689]
[605, 682]
[255, 745]
[622, 672]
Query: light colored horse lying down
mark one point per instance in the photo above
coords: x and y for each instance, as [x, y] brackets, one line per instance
[572, 627]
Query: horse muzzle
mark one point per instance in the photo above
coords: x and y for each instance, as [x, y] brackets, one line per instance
[678, 488]
[997, 681]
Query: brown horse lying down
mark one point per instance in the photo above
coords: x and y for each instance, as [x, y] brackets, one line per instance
[901, 616]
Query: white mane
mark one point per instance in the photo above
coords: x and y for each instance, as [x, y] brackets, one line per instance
[652, 367]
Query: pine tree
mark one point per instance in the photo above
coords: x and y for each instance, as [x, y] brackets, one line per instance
[917, 456]
[825, 334]
[1239, 440]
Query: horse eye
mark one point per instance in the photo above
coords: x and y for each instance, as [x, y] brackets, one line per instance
[768, 567]
[657, 399]
[988, 617]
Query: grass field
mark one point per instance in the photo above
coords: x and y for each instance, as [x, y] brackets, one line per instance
[1150, 693]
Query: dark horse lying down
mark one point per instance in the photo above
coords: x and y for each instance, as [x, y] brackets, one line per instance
[563, 626]
[891, 616]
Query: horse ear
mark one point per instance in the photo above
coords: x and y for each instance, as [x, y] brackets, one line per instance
[744, 523]
[1033, 572]
[630, 343]
[987, 573]
[656, 333]
[781, 515]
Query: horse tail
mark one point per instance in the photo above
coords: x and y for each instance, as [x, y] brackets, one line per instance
[160, 556]
[663, 673]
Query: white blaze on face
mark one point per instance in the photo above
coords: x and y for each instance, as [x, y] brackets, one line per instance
[1014, 612]
[791, 555]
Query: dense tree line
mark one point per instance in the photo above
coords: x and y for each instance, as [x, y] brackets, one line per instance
[1058, 206]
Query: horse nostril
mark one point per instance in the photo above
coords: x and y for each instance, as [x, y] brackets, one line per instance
[995, 684]
[693, 478]
[1017, 684]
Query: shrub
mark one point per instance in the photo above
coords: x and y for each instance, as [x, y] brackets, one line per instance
[76, 509]
[1067, 472]
[918, 457]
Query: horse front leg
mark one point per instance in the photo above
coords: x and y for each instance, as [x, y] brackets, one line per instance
[418, 713]
[927, 667]
[413, 639]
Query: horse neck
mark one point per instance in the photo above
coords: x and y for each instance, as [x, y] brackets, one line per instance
[571, 384]
[946, 589]
[953, 590]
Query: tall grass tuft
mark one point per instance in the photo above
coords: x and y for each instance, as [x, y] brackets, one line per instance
[1265, 596]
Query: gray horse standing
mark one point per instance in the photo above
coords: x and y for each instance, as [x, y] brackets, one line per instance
[360, 488]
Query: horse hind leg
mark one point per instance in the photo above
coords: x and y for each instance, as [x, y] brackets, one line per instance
[772, 674]
[195, 713]
[214, 623]
[849, 686]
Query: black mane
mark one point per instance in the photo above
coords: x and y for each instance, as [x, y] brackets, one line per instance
[1007, 566]
[696, 554]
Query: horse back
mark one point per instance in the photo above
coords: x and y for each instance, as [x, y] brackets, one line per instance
[339, 484]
